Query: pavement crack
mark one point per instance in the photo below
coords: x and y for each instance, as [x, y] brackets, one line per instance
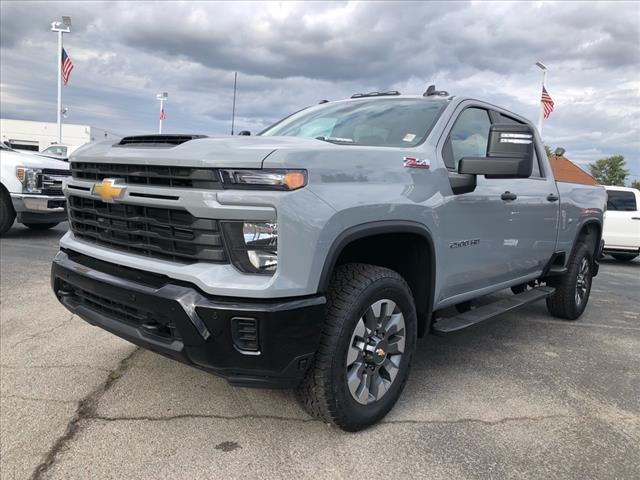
[146, 418]
[40, 333]
[484, 422]
[86, 409]
[48, 367]
[201, 416]
[38, 399]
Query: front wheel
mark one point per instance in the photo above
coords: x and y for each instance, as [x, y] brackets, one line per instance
[624, 257]
[574, 287]
[7, 213]
[366, 348]
[40, 226]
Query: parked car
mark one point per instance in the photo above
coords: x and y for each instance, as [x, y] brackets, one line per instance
[314, 254]
[58, 151]
[622, 223]
[31, 190]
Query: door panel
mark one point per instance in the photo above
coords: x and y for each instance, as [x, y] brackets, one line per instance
[622, 220]
[473, 224]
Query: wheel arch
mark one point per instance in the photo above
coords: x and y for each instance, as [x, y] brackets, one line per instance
[591, 231]
[402, 241]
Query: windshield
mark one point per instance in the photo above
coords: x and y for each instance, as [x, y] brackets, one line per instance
[397, 122]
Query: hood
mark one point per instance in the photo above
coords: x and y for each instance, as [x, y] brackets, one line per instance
[33, 160]
[212, 152]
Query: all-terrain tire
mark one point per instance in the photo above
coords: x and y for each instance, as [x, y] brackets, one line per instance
[7, 213]
[565, 302]
[41, 226]
[324, 391]
[624, 257]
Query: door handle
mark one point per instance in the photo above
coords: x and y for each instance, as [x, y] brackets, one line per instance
[635, 218]
[508, 196]
[552, 197]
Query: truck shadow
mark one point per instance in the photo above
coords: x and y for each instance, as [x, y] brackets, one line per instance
[21, 232]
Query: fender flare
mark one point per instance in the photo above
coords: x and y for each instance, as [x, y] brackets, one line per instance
[369, 229]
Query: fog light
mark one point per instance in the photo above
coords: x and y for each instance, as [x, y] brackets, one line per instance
[253, 245]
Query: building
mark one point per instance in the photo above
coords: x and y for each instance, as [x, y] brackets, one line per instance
[564, 170]
[28, 135]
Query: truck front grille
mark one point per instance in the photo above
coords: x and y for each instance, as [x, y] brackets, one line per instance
[158, 175]
[165, 233]
[50, 181]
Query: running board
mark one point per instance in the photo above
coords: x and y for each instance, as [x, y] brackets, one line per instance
[444, 326]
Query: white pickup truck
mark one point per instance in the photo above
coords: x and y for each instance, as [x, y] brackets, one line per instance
[31, 190]
[622, 223]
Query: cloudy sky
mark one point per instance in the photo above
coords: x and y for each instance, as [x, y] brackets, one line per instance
[289, 55]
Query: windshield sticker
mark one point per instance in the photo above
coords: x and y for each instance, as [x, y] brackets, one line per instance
[409, 137]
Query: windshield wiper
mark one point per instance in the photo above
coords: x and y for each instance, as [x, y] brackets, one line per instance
[335, 140]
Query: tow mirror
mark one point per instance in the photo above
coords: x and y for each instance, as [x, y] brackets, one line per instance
[509, 153]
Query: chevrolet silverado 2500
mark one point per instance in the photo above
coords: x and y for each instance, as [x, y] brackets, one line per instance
[314, 254]
[31, 190]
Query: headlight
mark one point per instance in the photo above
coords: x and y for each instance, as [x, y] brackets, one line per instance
[29, 179]
[264, 179]
[253, 245]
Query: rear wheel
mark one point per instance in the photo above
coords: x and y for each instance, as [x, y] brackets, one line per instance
[574, 287]
[624, 257]
[7, 213]
[40, 226]
[366, 348]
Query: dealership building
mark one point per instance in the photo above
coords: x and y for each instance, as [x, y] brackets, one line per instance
[28, 135]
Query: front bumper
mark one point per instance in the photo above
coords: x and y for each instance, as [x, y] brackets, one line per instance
[177, 320]
[34, 208]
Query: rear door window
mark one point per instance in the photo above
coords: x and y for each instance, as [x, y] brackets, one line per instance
[619, 200]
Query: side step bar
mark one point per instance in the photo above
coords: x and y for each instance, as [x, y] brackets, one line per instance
[444, 326]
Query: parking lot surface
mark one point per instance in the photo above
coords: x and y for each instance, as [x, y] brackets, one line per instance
[526, 396]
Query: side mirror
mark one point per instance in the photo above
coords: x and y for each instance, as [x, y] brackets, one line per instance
[509, 153]
[245, 133]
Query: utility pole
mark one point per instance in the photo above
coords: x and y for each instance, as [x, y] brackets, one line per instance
[542, 67]
[61, 28]
[233, 111]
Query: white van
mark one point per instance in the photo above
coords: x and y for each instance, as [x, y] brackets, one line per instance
[622, 223]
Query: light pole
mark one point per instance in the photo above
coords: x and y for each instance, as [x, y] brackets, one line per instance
[162, 97]
[542, 67]
[61, 27]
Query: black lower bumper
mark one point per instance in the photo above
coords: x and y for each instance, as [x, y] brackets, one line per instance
[252, 343]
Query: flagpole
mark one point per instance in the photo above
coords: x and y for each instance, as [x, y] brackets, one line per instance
[59, 86]
[543, 67]
[60, 27]
[233, 111]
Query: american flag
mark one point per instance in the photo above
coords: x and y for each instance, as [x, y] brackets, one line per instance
[67, 66]
[162, 115]
[547, 103]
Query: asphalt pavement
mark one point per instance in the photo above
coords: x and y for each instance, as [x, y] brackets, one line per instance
[525, 396]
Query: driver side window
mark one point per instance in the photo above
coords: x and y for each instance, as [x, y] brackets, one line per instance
[468, 137]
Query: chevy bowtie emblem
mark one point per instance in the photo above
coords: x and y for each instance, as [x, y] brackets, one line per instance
[380, 352]
[108, 191]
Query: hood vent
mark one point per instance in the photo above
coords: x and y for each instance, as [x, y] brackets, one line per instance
[156, 141]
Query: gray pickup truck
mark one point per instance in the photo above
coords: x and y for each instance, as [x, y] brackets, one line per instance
[313, 255]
